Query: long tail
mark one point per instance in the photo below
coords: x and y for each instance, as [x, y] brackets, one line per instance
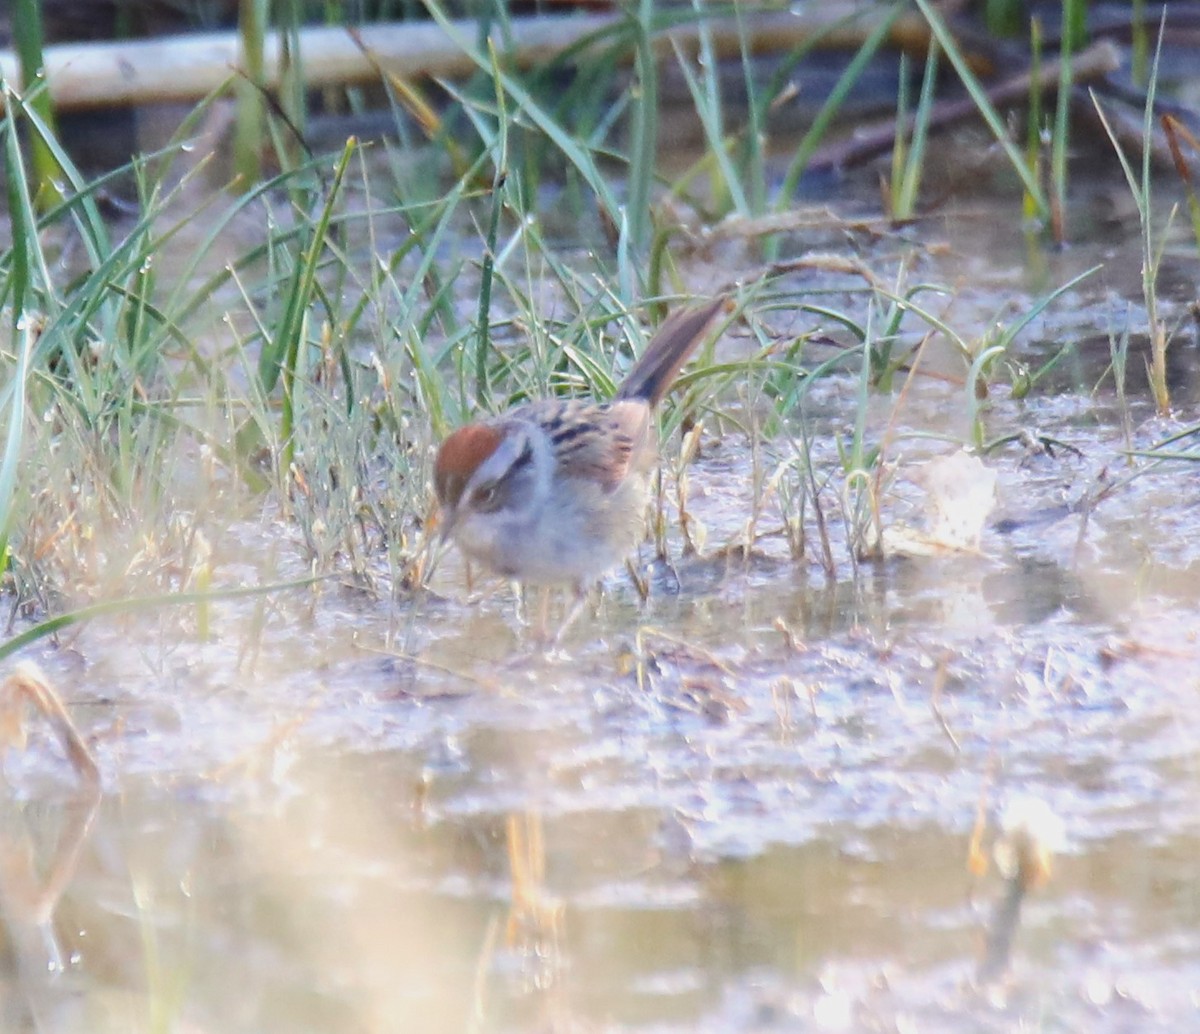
[653, 374]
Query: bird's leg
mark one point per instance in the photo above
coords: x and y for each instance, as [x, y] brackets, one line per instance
[543, 625]
[640, 581]
[573, 612]
[535, 638]
[520, 602]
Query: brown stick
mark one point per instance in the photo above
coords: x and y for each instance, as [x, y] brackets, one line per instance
[27, 684]
[1093, 63]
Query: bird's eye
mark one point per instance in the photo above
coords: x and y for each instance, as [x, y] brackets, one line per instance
[485, 497]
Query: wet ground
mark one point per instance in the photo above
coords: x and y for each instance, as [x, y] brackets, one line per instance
[748, 804]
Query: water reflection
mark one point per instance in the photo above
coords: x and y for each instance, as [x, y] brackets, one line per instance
[570, 849]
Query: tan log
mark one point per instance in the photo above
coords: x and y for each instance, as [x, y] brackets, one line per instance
[187, 67]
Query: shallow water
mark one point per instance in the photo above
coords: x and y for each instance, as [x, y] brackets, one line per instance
[769, 833]
[746, 804]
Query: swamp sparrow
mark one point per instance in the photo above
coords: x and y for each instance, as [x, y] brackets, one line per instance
[554, 492]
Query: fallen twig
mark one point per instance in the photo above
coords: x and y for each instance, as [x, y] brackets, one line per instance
[1090, 65]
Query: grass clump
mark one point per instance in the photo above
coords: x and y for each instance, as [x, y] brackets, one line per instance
[295, 350]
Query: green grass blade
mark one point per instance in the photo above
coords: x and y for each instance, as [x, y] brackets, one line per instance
[833, 103]
[291, 330]
[487, 273]
[914, 164]
[27, 35]
[707, 103]
[579, 158]
[137, 604]
[643, 128]
[989, 114]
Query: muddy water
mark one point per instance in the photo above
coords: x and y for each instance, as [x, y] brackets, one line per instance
[745, 805]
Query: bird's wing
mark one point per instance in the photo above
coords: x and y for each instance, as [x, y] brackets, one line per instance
[599, 443]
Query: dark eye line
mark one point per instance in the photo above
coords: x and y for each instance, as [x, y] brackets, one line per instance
[523, 459]
[485, 495]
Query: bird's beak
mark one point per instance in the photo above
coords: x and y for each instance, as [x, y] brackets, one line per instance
[438, 527]
[445, 520]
